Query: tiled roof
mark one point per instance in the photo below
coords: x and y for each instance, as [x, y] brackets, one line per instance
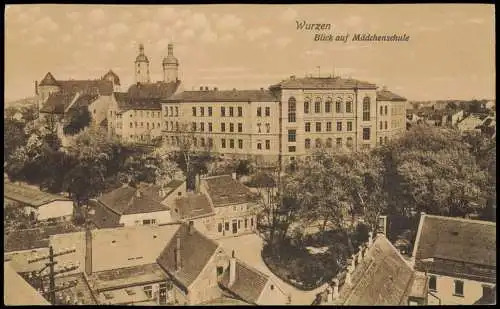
[104, 217]
[127, 276]
[382, 278]
[323, 83]
[249, 282]
[34, 238]
[98, 86]
[460, 247]
[48, 80]
[489, 298]
[126, 102]
[195, 251]
[57, 103]
[115, 248]
[154, 191]
[224, 190]
[127, 200]
[111, 76]
[386, 95]
[17, 291]
[29, 196]
[224, 96]
[159, 90]
[193, 205]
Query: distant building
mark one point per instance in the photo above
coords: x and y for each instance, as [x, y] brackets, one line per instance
[459, 256]
[490, 104]
[471, 123]
[445, 117]
[377, 275]
[38, 204]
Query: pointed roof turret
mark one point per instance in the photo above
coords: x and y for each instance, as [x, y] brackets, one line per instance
[170, 59]
[141, 57]
[48, 80]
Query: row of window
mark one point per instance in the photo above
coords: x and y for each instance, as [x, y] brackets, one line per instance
[383, 140]
[136, 125]
[318, 143]
[292, 134]
[267, 111]
[292, 108]
[458, 288]
[147, 114]
[383, 110]
[383, 125]
[318, 126]
[231, 111]
[339, 107]
[171, 109]
[227, 226]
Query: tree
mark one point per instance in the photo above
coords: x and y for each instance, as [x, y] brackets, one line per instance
[14, 136]
[76, 120]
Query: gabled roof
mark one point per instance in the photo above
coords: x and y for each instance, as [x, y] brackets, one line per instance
[19, 292]
[224, 190]
[29, 196]
[98, 86]
[196, 250]
[192, 206]
[157, 193]
[85, 100]
[126, 102]
[57, 103]
[382, 278]
[159, 90]
[127, 200]
[386, 95]
[112, 76]
[323, 83]
[459, 247]
[249, 282]
[224, 96]
[48, 80]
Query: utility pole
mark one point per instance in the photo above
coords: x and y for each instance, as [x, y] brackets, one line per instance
[52, 273]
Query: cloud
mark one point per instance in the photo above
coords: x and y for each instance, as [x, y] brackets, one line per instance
[228, 21]
[117, 29]
[73, 16]
[475, 21]
[227, 37]
[148, 29]
[427, 28]
[109, 47]
[127, 15]
[96, 16]
[161, 45]
[256, 33]
[353, 20]
[46, 24]
[187, 34]
[66, 38]
[209, 36]
[78, 28]
[166, 13]
[37, 40]
[198, 21]
[23, 18]
[288, 15]
[224, 69]
[283, 42]
[314, 52]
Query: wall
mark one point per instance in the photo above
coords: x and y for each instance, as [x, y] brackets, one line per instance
[55, 209]
[99, 109]
[160, 217]
[206, 287]
[238, 212]
[274, 296]
[473, 290]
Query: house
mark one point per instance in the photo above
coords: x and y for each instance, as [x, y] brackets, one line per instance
[38, 204]
[251, 286]
[235, 205]
[377, 275]
[471, 123]
[17, 291]
[128, 206]
[459, 255]
[490, 104]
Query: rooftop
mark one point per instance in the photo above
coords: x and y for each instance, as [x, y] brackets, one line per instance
[323, 83]
[29, 196]
[127, 200]
[195, 252]
[459, 247]
[249, 282]
[224, 190]
[386, 95]
[126, 102]
[18, 291]
[224, 96]
[192, 206]
[159, 90]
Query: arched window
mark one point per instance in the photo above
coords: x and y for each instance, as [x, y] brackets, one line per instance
[366, 109]
[317, 105]
[307, 143]
[338, 105]
[329, 142]
[307, 103]
[318, 143]
[292, 108]
[348, 105]
[328, 105]
[385, 110]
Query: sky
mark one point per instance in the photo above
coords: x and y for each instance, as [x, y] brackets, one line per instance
[450, 54]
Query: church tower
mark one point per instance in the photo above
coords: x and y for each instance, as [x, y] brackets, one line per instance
[142, 67]
[170, 66]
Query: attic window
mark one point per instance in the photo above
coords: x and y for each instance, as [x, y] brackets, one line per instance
[272, 287]
[130, 292]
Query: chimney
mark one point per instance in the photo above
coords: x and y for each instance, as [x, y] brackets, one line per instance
[360, 254]
[190, 227]
[234, 89]
[261, 89]
[88, 252]
[232, 269]
[178, 254]
[292, 77]
[36, 87]
[197, 183]
[353, 261]
[335, 292]
[215, 89]
[201, 88]
[233, 175]
[206, 88]
[348, 273]
[370, 239]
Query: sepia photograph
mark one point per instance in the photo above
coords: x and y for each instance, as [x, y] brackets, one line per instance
[250, 154]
